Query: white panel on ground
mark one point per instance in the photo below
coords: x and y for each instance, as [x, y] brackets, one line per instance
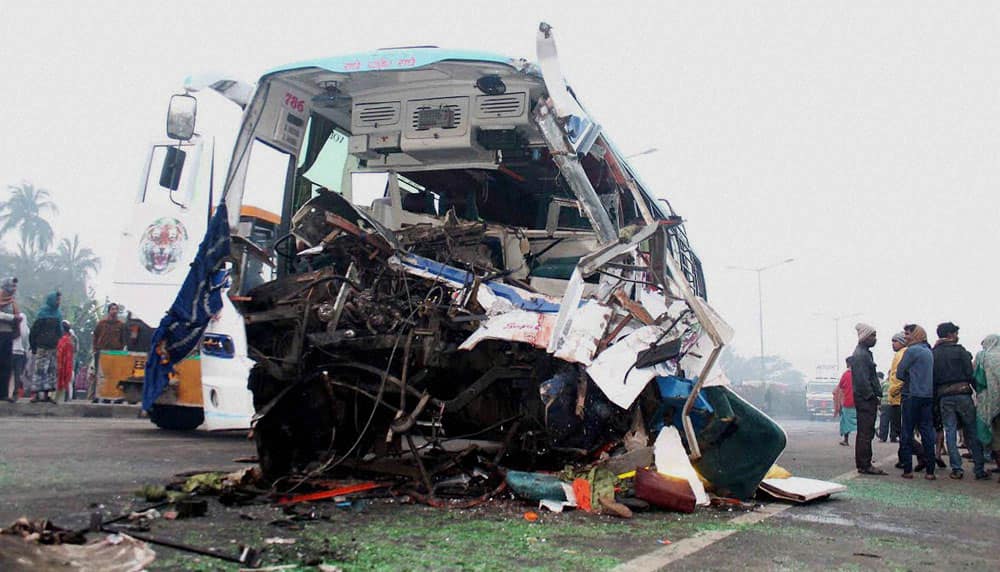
[671, 459]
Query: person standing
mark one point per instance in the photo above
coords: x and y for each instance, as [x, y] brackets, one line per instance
[108, 335]
[887, 431]
[866, 397]
[894, 394]
[10, 328]
[20, 358]
[916, 371]
[988, 396]
[844, 403]
[45, 335]
[894, 390]
[953, 385]
[65, 352]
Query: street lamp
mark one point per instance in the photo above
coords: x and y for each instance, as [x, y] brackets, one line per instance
[836, 330]
[760, 302]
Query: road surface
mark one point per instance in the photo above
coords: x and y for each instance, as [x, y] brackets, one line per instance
[64, 468]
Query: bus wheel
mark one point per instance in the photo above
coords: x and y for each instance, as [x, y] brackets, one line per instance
[177, 418]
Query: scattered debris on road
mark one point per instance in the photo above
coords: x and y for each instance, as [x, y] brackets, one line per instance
[41, 545]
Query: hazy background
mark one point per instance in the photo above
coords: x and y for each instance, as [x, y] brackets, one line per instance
[859, 138]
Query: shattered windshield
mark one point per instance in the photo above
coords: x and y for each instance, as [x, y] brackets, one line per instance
[525, 194]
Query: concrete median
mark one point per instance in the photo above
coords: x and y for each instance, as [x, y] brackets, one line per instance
[25, 408]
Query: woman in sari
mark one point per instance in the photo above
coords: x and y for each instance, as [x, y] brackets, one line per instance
[988, 394]
[64, 363]
[44, 337]
[844, 404]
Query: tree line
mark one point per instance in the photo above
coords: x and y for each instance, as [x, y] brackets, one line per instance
[739, 368]
[43, 264]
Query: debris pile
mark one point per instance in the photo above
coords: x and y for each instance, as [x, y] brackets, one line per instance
[40, 545]
[418, 355]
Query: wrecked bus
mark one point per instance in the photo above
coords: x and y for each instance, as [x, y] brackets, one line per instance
[465, 259]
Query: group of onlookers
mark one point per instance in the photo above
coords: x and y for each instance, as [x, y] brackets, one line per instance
[939, 394]
[39, 360]
[36, 360]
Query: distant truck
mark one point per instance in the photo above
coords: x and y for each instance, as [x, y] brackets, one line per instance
[819, 393]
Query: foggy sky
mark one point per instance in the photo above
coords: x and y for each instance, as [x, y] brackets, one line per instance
[859, 138]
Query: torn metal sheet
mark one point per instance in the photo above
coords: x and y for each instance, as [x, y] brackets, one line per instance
[517, 297]
[582, 131]
[613, 369]
[579, 343]
[575, 175]
[514, 326]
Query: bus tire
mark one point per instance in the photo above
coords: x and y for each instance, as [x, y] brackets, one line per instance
[176, 417]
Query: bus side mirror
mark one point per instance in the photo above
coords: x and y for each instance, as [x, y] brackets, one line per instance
[180, 116]
[173, 164]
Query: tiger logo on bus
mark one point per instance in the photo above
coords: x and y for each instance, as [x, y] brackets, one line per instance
[162, 245]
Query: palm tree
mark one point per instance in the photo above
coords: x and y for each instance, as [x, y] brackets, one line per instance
[25, 211]
[74, 260]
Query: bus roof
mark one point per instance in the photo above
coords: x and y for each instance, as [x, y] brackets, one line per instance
[394, 59]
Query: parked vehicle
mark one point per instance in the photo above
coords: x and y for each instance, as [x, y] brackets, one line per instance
[819, 398]
[168, 219]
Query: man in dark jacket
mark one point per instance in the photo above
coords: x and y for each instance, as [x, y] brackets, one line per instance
[916, 371]
[108, 335]
[953, 387]
[867, 392]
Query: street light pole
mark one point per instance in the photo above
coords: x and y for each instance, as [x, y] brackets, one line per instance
[836, 331]
[760, 302]
[760, 321]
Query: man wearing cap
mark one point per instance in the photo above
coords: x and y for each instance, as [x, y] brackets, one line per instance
[953, 385]
[894, 392]
[867, 391]
[885, 428]
[889, 420]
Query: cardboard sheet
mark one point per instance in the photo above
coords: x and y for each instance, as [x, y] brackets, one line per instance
[799, 489]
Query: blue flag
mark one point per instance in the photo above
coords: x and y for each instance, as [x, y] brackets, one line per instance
[199, 299]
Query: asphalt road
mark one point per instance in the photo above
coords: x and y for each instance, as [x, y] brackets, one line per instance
[57, 468]
[882, 522]
[62, 468]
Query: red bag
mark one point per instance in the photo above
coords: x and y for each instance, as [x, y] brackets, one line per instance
[664, 491]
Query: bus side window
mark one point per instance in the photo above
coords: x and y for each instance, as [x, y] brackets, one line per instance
[153, 192]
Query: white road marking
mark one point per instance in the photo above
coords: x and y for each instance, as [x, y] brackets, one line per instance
[660, 558]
